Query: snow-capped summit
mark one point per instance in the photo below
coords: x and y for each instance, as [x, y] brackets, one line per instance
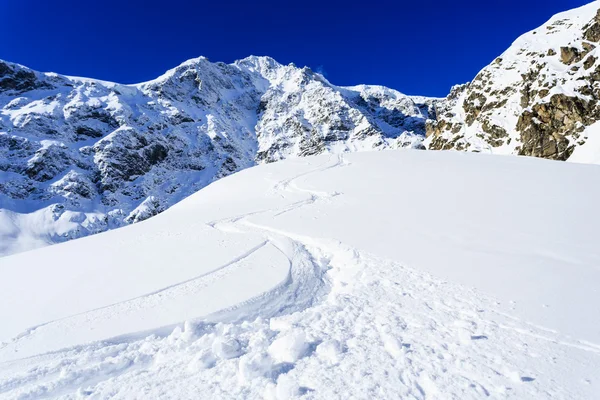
[80, 156]
[262, 65]
[539, 98]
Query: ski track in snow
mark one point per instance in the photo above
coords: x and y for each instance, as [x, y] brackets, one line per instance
[379, 330]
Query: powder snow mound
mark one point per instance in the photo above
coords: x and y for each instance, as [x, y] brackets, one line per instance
[539, 98]
[80, 156]
[325, 277]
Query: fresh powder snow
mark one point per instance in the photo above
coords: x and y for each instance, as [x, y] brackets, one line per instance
[393, 274]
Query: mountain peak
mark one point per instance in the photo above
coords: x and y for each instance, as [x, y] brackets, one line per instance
[93, 155]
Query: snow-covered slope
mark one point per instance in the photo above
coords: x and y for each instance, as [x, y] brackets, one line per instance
[325, 277]
[539, 98]
[80, 156]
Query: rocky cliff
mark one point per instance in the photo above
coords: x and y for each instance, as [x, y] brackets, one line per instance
[539, 98]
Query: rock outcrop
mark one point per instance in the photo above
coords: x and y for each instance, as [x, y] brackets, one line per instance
[539, 98]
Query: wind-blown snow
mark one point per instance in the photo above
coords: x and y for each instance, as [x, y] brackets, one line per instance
[465, 276]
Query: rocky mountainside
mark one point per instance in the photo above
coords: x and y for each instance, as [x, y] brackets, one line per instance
[80, 156]
[539, 98]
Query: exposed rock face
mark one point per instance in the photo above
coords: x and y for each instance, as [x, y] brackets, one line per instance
[539, 98]
[16, 80]
[551, 130]
[93, 155]
[591, 31]
[570, 55]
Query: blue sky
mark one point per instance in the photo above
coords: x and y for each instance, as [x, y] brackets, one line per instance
[418, 47]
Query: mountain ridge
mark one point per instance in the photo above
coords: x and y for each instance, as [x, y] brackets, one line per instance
[80, 156]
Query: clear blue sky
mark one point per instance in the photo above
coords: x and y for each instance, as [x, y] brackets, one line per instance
[417, 47]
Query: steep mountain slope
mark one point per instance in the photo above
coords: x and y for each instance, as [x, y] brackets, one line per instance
[80, 156]
[326, 277]
[539, 98]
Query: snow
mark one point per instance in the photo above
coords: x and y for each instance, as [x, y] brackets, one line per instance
[394, 274]
[589, 154]
[289, 348]
[73, 148]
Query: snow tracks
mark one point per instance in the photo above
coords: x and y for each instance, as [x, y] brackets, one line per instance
[336, 323]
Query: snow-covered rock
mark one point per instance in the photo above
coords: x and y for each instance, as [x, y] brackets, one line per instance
[539, 98]
[116, 154]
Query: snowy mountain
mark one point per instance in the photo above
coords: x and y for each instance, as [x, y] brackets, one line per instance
[327, 277]
[539, 98]
[80, 156]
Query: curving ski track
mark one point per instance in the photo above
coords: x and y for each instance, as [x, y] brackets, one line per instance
[387, 331]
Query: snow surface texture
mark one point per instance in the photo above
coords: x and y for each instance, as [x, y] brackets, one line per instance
[324, 277]
[79, 156]
[539, 98]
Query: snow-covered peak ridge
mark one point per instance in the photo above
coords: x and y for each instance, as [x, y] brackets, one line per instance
[263, 65]
[538, 98]
[380, 91]
[565, 25]
[392, 99]
[255, 66]
[304, 114]
[16, 78]
[79, 155]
